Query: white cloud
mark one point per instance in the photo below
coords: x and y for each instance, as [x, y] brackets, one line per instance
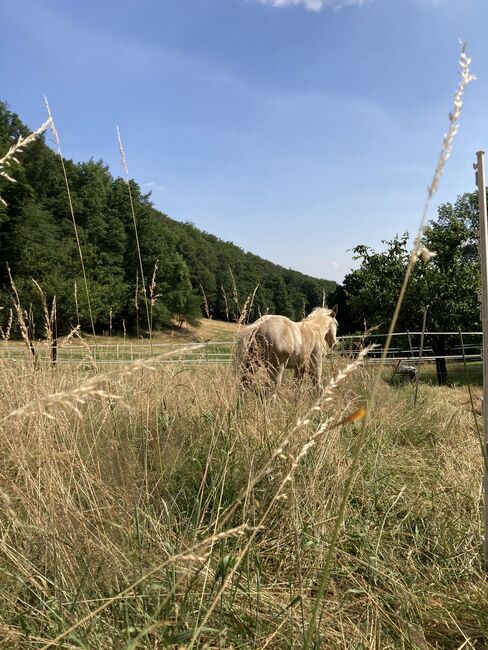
[312, 5]
[151, 185]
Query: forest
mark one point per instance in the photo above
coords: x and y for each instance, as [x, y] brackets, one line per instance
[185, 274]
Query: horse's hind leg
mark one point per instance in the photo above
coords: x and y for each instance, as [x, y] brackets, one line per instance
[247, 374]
[298, 374]
[246, 382]
[316, 372]
[276, 376]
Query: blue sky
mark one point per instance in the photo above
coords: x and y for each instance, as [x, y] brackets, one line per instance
[294, 128]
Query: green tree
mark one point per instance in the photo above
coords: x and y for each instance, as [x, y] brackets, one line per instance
[277, 288]
[183, 305]
[449, 284]
[372, 290]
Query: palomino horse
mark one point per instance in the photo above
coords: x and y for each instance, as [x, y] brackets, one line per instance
[276, 342]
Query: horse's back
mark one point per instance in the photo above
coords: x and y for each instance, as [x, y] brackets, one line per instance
[276, 337]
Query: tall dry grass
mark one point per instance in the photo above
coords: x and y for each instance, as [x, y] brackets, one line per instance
[136, 235]
[119, 528]
[57, 140]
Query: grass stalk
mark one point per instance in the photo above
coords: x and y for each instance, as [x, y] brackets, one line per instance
[421, 352]
[73, 219]
[136, 233]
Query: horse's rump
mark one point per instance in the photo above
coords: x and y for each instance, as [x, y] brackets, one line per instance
[269, 341]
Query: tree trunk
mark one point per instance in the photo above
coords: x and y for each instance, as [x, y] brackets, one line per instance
[439, 347]
[441, 369]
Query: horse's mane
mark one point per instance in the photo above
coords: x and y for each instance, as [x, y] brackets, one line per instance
[318, 311]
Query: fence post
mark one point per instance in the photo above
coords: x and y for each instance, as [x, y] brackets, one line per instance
[410, 343]
[53, 324]
[483, 239]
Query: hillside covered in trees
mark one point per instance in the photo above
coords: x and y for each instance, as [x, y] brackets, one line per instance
[186, 272]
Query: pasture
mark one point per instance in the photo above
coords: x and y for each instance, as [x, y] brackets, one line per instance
[147, 501]
[153, 505]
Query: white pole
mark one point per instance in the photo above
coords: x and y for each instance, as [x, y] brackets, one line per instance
[480, 178]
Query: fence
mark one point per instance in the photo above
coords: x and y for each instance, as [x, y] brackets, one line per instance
[467, 349]
[221, 352]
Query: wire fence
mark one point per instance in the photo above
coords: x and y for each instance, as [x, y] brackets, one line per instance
[406, 349]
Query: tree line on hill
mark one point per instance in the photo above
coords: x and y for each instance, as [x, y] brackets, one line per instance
[186, 272]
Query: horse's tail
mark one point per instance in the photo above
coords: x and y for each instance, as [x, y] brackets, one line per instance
[246, 349]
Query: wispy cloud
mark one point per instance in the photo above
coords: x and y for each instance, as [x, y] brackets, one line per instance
[151, 185]
[312, 5]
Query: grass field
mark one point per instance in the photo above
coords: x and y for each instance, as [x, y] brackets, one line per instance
[458, 374]
[157, 508]
[215, 337]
